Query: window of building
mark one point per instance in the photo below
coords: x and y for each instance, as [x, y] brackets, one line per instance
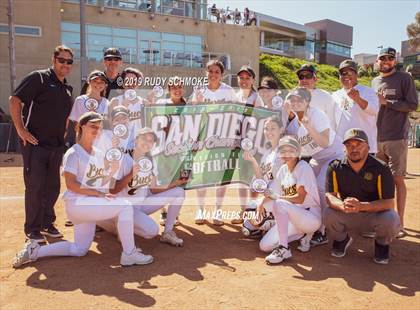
[22, 30]
[338, 49]
[136, 46]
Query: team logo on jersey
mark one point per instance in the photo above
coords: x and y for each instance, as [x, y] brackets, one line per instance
[145, 165]
[113, 154]
[368, 176]
[259, 185]
[290, 190]
[91, 104]
[94, 174]
[138, 182]
[120, 130]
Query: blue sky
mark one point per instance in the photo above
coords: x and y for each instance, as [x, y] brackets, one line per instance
[375, 22]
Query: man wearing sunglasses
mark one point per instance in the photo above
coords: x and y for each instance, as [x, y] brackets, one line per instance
[39, 107]
[113, 64]
[358, 105]
[320, 98]
[397, 97]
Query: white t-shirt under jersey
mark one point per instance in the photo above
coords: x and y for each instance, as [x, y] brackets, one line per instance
[322, 100]
[80, 107]
[309, 147]
[253, 100]
[89, 169]
[351, 115]
[222, 94]
[287, 182]
[139, 186]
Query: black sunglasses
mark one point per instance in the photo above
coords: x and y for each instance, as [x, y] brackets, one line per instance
[64, 60]
[387, 58]
[307, 76]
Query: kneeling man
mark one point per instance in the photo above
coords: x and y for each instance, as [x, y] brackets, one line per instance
[360, 196]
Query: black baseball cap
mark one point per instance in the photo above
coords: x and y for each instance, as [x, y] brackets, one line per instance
[90, 117]
[355, 134]
[388, 51]
[247, 69]
[97, 74]
[348, 63]
[118, 110]
[268, 83]
[289, 141]
[307, 67]
[112, 52]
[300, 92]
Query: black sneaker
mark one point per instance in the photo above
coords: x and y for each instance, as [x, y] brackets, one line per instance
[319, 239]
[340, 247]
[68, 223]
[52, 232]
[162, 220]
[381, 254]
[36, 236]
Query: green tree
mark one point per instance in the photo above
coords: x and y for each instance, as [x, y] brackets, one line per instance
[413, 32]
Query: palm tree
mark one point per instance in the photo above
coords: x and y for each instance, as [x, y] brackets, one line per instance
[413, 32]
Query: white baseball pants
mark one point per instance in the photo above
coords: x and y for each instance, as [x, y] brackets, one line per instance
[292, 222]
[84, 212]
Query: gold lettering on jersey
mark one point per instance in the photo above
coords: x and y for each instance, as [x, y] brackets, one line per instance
[307, 140]
[266, 170]
[135, 115]
[94, 174]
[289, 191]
[138, 182]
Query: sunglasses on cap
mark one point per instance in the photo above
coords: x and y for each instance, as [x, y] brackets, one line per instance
[386, 58]
[306, 76]
[113, 59]
[64, 60]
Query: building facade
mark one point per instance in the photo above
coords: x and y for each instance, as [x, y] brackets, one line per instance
[159, 37]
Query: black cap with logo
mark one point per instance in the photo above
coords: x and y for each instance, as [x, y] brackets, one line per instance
[247, 69]
[112, 52]
[388, 51]
[355, 134]
[268, 83]
[348, 63]
[306, 67]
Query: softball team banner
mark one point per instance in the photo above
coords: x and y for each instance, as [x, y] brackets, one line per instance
[206, 142]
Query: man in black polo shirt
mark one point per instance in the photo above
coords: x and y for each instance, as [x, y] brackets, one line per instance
[113, 63]
[39, 107]
[360, 196]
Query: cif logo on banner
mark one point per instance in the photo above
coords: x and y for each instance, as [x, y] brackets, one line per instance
[145, 165]
[91, 104]
[120, 130]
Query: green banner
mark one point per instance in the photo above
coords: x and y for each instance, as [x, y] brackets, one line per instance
[206, 139]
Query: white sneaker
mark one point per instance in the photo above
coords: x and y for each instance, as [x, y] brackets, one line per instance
[305, 243]
[217, 218]
[171, 238]
[199, 217]
[28, 254]
[278, 255]
[135, 258]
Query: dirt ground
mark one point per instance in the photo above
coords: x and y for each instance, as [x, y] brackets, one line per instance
[216, 269]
